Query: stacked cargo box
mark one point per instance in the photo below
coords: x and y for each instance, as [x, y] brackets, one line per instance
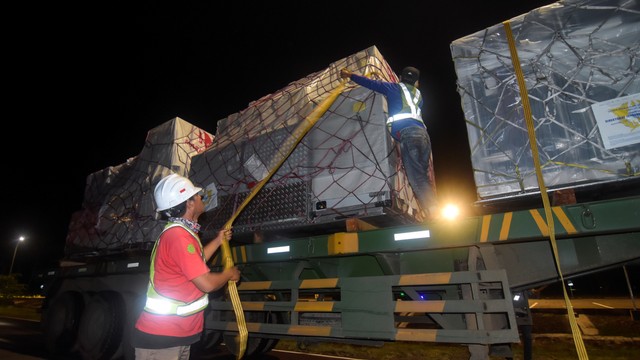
[580, 61]
[118, 210]
[345, 167]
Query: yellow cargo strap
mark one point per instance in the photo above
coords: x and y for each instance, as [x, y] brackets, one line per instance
[577, 337]
[227, 259]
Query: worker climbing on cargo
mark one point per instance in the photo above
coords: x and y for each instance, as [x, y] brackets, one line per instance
[405, 124]
[180, 279]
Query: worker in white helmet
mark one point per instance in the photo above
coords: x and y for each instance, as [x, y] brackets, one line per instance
[179, 278]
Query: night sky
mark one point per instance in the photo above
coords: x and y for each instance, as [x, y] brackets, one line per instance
[87, 81]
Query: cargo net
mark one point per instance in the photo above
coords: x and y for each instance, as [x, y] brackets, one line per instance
[343, 165]
[580, 61]
[118, 210]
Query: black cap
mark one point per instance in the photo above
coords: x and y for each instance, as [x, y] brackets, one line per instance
[410, 75]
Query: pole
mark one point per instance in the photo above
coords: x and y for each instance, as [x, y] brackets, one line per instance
[626, 276]
[21, 239]
[635, 314]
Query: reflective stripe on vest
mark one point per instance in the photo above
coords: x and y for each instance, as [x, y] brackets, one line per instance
[161, 305]
[410, 109]
[164, 306]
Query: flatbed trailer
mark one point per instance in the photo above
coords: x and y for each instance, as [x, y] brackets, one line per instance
[442, 282]
[448, 282]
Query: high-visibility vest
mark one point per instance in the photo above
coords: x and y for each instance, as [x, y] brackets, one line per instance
[162, 305]
[410, 108]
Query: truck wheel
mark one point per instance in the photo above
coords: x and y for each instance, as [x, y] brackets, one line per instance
[210, 339]
[206, 347]
[255, 345]
[135, 305]
[60, 326]
[101, 326]
[272, 318]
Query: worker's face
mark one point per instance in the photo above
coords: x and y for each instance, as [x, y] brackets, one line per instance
[198, 204]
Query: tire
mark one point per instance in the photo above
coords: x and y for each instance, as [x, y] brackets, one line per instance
[135, 306]
[210, 339]
[101, 326]
[60, 325]
[272, 318]
[255, 346]
[206, 347]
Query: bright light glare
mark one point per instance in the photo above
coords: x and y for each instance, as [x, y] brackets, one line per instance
[450, 212]
[278, 249]
[412, 235]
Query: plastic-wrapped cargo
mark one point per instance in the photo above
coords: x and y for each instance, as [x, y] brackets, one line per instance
[118, 210]
[580, 61]
[345, 166]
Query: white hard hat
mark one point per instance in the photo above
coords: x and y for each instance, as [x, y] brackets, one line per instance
[173, 190]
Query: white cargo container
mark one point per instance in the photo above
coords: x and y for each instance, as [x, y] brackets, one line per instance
[580, 61]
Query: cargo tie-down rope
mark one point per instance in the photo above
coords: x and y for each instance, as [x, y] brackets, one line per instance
[302, 129]
[577, 337]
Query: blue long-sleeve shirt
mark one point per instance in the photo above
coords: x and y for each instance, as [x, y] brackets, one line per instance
[393, 93]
